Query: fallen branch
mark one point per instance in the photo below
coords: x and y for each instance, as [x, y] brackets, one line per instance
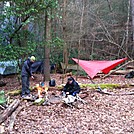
[120, 72]
[130, 67]
[9, 110]
[12, 118]
[111, 93]
[2, 107]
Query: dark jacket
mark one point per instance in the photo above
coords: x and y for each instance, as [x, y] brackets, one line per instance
[72, 88]
[26, 68]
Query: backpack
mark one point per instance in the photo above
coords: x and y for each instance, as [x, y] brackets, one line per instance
[130, 75]
[52, 83]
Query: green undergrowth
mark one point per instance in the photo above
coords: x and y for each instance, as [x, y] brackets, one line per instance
[107, 85]
[104, 85]
[93, 86]
[16, 92]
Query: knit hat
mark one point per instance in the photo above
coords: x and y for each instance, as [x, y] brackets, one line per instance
[70, 79]
[32, 58]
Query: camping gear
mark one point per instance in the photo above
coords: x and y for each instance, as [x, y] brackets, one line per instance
[72, 100]
[8, 67]
[42, 84]
[52, 83]
[69, 99]
[130, 75]
[94, 67]
[2, 97]
[38, 67]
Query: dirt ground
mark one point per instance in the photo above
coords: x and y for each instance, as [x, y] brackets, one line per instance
[103, 114]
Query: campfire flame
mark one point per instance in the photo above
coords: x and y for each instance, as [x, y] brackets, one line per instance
[46, 88]
[41, 89]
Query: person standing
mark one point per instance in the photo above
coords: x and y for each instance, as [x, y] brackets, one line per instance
[26, 73]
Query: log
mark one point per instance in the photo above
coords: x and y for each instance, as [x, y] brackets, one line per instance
[14, 92]
[9, 110]
[130, 67]
[12, 119]
[121, 71]
[131, 84]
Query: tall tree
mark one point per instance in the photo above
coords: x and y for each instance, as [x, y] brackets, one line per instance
[48, 39]
[64, 28]
[132, 8]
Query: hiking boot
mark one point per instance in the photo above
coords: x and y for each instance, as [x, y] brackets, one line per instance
[23, 96]
[27, 97]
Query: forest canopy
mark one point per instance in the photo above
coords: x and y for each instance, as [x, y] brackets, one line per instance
[91, 29]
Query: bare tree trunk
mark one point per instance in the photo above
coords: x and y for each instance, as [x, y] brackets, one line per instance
[126, 35]
[109, 5]
[47, 37]
[1, 6]
[81, 25]
[132, 7]
[65, 52]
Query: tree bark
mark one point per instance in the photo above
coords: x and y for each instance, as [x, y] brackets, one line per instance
[47, 37]
[132, 7]
[65, 52]
[79, 42]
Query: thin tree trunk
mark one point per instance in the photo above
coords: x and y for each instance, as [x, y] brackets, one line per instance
[65, 52]
[47, 37]
[132, 6]
[126, 35]
[81, 25]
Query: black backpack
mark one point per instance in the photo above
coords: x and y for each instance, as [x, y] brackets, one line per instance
[130, 75]
[52, 83]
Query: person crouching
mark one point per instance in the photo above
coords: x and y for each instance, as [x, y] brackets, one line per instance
[70, 90]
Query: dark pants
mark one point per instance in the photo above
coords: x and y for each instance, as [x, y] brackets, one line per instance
[25, 85]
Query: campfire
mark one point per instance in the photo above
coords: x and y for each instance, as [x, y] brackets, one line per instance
[41, 90]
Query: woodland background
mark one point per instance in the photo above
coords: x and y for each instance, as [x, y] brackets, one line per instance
[57, 30]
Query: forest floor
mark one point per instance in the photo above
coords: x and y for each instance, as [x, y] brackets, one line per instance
[103, 114]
